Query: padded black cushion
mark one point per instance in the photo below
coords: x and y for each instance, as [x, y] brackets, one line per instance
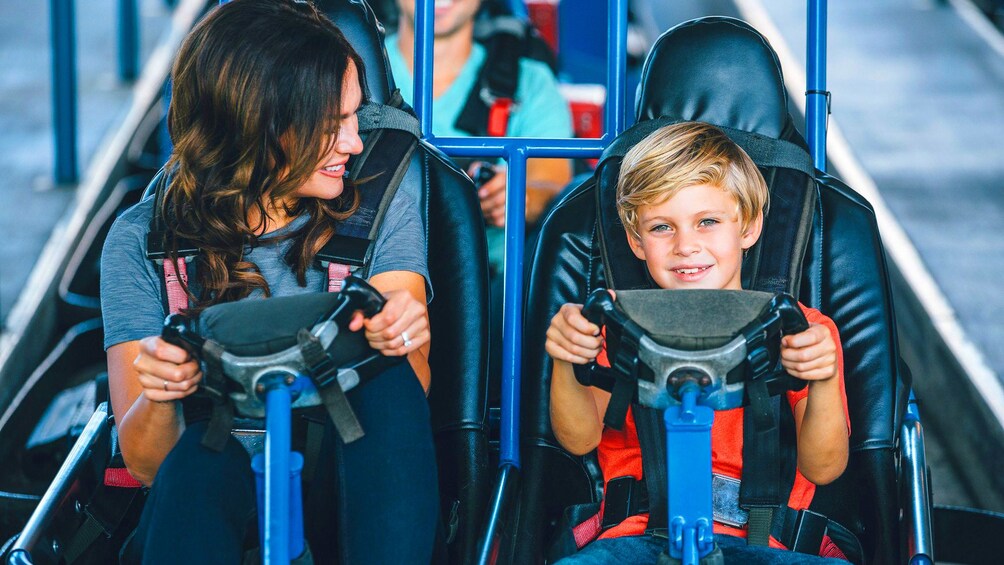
[358, 23]
[716, 70]
[721, 71]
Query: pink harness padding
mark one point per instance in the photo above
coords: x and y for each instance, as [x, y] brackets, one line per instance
[336, 276]
[588, 530]
[120, 477]
[177, 298]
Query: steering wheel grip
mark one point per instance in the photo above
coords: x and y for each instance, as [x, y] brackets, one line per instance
[178, 331]
[792, 319]
[599, 307]
[362, 296]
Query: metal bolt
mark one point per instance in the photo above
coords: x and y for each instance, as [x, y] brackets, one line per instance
[259, 388]
[78, 506]
[289, 380]
[56, 547]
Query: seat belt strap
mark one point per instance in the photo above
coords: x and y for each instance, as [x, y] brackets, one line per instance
[337, 404]
[337, 273]
[497, 81]
[386, 157]
[652, 438]
[174, 279]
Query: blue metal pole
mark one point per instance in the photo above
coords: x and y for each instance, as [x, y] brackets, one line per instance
[688, 465]
[425, 19]
[816, 95]
[64, 89]
[128, 39]
[515, 151]
[616, 70]
[512, 305]
[278, 401]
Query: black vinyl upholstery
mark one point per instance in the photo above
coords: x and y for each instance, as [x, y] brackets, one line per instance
[458, 314]
[721, 71]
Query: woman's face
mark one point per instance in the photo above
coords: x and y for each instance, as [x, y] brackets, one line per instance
[327, 181]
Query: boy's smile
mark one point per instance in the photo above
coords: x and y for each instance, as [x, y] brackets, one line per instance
[694, 239]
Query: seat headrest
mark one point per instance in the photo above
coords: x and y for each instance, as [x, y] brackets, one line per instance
[717, 70]
[365, 33]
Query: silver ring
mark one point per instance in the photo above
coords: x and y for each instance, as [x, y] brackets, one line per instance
[165, 385]
[407, 340]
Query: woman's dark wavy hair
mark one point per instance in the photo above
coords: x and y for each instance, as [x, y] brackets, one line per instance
[256, 93]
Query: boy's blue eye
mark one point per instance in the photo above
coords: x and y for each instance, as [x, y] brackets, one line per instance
[659, 228]
[708, 222]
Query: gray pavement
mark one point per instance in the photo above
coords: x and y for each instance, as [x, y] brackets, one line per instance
[30, 204]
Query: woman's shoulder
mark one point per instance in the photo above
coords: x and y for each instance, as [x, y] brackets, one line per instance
[134, 221]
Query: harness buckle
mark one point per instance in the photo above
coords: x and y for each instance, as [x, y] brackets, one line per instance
[624, 497]
[808, 531]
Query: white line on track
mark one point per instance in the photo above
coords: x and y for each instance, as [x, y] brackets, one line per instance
[897, 244]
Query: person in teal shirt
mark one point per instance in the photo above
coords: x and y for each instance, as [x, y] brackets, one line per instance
[540, 110]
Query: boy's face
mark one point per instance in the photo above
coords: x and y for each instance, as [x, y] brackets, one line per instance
[694, 239]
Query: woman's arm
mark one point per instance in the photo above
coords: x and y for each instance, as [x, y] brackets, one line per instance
[405, 312]
[145, 379]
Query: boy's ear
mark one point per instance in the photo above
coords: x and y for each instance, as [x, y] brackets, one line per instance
[753, 231]
[635, 245]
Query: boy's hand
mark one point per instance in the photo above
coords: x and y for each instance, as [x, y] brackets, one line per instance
[571, 337]
[810, 355]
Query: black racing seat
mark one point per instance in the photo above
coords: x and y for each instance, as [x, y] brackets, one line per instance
[458, 267]
[721, 71]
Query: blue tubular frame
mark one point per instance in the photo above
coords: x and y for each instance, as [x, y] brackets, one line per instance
[515, 151]
[64, 88]
[817, 98]
[920, 538]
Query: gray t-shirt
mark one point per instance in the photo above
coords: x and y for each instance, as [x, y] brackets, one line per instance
[131, 288]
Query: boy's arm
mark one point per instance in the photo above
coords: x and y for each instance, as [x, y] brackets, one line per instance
[576, 410]
[820, 418]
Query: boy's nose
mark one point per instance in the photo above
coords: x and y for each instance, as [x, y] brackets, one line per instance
[686, 244]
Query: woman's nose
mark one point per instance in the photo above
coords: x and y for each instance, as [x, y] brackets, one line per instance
[349, 142]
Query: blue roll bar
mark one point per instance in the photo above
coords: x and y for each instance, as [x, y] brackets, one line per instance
[817, 98]
[128, 36]
[515, 152]
[62, 29]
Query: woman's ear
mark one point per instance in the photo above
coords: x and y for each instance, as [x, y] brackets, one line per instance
[753, 231]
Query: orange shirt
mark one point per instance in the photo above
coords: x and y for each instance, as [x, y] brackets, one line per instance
[619, 452]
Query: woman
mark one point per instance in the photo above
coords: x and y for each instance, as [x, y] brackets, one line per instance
[263, 119]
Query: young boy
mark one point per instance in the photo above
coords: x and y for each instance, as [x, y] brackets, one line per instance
[692, 202]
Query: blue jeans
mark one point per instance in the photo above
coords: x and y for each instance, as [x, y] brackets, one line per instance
[381, 491]
[645, 550]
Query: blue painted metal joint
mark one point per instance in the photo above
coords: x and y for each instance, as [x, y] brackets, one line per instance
[688, 466]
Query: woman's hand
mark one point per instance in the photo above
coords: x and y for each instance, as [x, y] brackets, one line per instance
[400, 328]
[571, 337]
[165, 371]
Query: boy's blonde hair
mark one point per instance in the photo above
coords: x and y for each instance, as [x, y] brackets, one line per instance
[682, 155]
